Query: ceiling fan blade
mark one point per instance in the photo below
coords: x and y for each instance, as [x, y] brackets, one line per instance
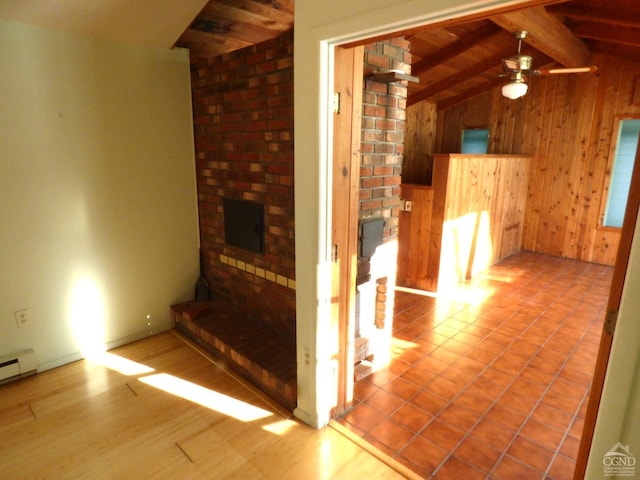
[554, 71]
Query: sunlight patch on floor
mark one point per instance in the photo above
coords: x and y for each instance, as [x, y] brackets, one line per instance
[119, 364]
[281, 427]
[205, 397]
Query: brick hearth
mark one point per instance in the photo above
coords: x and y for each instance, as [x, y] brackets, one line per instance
[248, 347]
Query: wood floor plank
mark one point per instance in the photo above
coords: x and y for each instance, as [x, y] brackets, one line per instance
[115, 418]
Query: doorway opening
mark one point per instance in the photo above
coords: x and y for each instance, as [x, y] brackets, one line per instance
[555, 454]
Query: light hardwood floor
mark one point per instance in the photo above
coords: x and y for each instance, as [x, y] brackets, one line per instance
[160, 409]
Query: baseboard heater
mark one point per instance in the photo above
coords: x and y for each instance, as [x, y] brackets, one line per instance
[17, 365]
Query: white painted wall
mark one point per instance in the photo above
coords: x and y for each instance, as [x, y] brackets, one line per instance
[98, 224]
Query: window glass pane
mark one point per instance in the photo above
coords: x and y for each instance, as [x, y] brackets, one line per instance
[475, 140]
[621, 175]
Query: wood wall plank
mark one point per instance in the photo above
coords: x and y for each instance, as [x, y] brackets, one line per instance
[418, 143]
[470, 218]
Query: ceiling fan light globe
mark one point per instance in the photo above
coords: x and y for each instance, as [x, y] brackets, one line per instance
[514, 90]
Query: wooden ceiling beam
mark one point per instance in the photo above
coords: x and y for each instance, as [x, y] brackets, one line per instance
[621, 35]
[548, 34]
[476, 69]
[456, 48]
[474, 17]
[607, 16]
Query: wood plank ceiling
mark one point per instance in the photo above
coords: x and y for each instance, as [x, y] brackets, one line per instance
[456, 61]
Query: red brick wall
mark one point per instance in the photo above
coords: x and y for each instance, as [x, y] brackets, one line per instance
[243, 120]
[383, 127]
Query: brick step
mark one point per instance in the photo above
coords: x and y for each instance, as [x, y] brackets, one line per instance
[247, 346]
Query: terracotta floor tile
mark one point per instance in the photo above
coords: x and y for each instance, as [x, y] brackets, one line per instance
[456, 346]
[391, 434]
[364, 389]
[497, 376]
[507, 417]
[445, 356]
[382, 377]
[459, 376]
[444, 388]
[528, 389]
[418, 376]
[483, 356]
[459, 417]
[565, 395]
[470, 365]
[576, 429]
[415, 329]
[541, 434]
[402, 388]
[530, 453]
[477, 453]
[411, 417]
[477, 331]
[580, 374]
[473, 401]
[507, 366]
[428, 402]
[413, 352]
[570, 447]
[432, 365]
[493, 434]
[455, 469]
[556, 418]
[562, 468]
[364, 417]
[423, 455]
[443, 434]
[515, 401]
[485, 389]
[434, 338]
[510, 469]
[384, 402]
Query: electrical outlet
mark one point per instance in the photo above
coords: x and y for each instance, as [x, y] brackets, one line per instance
[23, 317]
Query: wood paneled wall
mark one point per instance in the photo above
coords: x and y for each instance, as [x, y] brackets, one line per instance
[471, 218]
[419, 140]
[568, 124]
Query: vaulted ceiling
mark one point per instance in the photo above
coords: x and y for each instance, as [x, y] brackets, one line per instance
[458, 59]
[454, 60]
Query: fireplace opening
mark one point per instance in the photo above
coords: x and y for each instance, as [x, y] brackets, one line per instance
[243, 224]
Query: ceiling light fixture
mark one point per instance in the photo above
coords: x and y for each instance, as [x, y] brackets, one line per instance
[516, 88]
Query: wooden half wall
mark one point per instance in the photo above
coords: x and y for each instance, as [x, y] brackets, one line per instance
[470, 218]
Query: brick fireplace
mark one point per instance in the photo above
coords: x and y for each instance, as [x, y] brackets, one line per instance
[243, 121]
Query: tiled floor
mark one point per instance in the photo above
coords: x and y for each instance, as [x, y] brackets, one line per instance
[493, 382]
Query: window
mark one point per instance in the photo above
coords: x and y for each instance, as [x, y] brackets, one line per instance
[626, 146]
[475, 140]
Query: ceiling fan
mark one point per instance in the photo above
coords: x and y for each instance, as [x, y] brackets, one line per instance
[518, 67]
